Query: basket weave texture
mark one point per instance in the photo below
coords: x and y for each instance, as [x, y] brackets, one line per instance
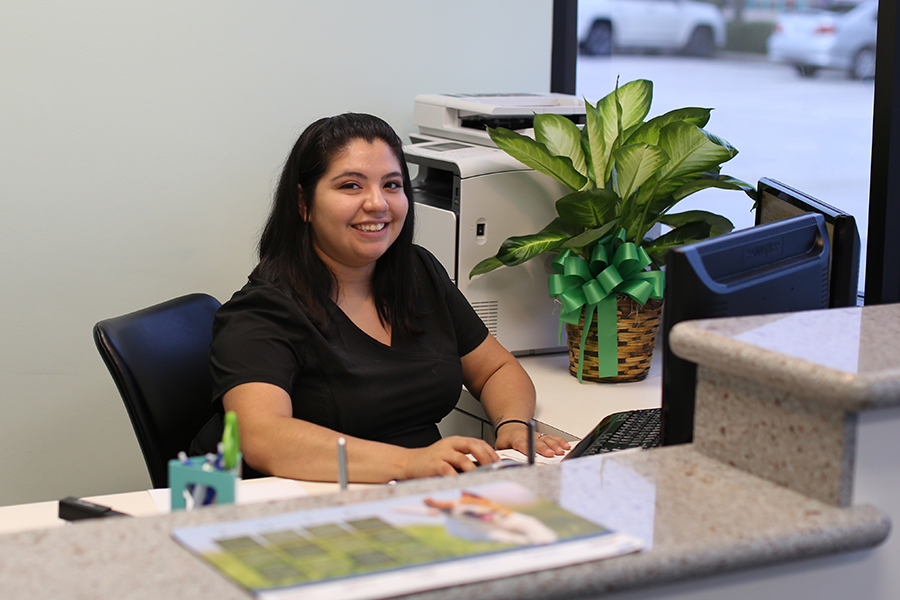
[637, 326]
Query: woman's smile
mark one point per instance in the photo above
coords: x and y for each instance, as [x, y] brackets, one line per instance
[370, 227]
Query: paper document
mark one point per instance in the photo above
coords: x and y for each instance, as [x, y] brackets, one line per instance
[403, 545]
[538, 459]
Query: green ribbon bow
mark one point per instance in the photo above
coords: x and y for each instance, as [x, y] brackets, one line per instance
[616, 266]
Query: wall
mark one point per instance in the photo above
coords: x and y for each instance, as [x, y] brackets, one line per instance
[139, 145]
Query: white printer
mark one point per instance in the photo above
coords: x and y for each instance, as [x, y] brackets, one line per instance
[463, 117]
[471, 196]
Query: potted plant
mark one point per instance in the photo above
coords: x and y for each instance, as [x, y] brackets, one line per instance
[626, 175]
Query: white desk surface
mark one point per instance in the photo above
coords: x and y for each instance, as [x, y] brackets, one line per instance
[571, 409]
[44, 515]
[575, 408]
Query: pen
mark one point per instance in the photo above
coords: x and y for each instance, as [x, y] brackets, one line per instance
[231, 443]
[531, 441]
[199, 495]
[219, 463]
[210, 465]
[342, 463]
[194, 494]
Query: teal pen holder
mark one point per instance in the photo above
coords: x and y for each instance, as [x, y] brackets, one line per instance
[186, 476]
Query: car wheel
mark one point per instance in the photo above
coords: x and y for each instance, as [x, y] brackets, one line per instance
[701, 43]
[806, 70]
[863, 66]
[599, 40]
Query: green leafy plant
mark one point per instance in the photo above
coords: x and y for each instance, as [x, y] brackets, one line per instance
[626, 174]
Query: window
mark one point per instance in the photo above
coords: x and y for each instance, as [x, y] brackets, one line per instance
[808, 124]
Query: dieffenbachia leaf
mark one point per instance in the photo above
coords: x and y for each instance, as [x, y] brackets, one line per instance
[717, 223]
[635, 164]
[518, 249]
[561, 137]
[533, 154]
[691, 154]
[649, 132]
[588, 208]
[686, 234]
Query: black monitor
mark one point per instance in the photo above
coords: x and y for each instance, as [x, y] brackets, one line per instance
[773, 268]
[776, 201]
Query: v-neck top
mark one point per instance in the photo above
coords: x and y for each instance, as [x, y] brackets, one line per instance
[342, 378]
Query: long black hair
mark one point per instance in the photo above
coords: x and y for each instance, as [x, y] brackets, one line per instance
[286, 254]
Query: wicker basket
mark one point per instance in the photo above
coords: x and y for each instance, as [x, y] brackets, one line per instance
[637, 327]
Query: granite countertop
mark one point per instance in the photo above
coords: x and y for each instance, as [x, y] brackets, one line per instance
[846, 357]
[697, 515]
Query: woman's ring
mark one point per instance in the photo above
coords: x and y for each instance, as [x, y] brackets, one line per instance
[540, 435]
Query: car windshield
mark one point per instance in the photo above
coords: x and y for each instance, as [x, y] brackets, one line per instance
[838, 8]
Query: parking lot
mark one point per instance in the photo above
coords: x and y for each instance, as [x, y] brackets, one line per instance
[814, 134]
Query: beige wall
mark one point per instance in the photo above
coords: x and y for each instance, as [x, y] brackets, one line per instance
[139, 145]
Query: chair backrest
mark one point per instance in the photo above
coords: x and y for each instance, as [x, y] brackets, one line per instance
[159, 359]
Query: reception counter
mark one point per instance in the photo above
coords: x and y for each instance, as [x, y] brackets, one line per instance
[699, 516]
[809, 400]
[725, 517]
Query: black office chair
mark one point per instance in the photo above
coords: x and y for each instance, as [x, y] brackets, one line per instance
[159, 359]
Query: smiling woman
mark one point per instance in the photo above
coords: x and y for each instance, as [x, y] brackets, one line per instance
[347, 329]
[361, 208]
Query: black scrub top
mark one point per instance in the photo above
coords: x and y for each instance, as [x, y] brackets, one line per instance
[342, 378]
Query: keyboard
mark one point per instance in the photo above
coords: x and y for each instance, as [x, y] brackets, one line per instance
[621, 431]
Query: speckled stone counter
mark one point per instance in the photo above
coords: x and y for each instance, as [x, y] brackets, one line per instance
[788, 464]
[698, 516]
[780, 395]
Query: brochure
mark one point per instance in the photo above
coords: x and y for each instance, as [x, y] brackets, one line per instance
[402, 545]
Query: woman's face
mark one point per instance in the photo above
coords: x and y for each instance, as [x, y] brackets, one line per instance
[360, 206]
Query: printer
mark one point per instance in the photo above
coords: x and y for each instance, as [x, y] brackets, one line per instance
[463, 117]
[470, 196]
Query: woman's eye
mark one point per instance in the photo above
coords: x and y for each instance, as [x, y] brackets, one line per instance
[349, 186]
[394, 185]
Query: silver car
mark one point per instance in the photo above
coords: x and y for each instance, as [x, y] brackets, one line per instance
[839, 36]
[686, 26]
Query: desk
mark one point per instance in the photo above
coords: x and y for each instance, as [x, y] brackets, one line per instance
[584, 404]
[707, 518]
[717, 528]
[146, 503]
[565, 407]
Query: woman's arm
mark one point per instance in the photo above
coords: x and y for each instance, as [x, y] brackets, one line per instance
[274, 442]
[495, 377]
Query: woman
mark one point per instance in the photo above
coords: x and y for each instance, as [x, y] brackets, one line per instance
[346, 328]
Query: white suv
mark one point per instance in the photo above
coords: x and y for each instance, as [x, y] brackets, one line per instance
[694, 28]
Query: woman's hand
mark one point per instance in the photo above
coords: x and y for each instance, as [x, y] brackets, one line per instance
[515, 436]
[448, 457]
[496, 378]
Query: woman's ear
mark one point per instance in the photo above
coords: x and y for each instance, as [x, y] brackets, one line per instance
[301, 204]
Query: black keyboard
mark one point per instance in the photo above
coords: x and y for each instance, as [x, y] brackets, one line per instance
[621, 431]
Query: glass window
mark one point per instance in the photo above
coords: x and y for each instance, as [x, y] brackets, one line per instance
[791, 83]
